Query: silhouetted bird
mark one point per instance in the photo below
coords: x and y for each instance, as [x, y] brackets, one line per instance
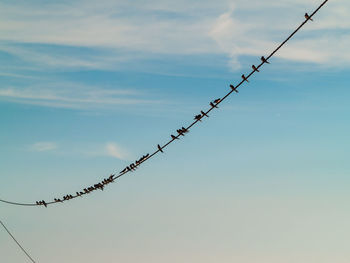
[180, 132]
[99, 186]
[184, 130]
[255, 69]
[44, 203]
[198, 117]
[213, 105]
[307, 17]
[204, 114]
[233, 88]
[160, 148]
[264, 60]
[217, 101]
[244, 78]
[124, 170]
[174, 137]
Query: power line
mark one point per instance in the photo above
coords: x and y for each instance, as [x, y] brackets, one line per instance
[181, 132]
[18, 244]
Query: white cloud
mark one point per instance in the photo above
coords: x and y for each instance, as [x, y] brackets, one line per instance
[43, 146]
[174, 27]
[237, 35]
[114, 150]
[74, 96]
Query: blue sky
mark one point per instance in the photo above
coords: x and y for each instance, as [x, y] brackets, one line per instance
[87, 88]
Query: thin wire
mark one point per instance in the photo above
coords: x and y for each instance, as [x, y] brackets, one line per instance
[196, 121]
[25, 252]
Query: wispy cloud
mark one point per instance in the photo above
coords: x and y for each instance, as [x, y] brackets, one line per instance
[114, 150]
[237, 35]
[108, 149]
[74, 96]
[43, 146]
[168, 27]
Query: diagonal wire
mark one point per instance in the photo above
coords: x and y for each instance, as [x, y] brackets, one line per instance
[18, 244]
[234, 89]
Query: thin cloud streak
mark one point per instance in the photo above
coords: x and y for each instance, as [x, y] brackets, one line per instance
[107, 149]
[74, 96]
[169, 29]
[43, 146]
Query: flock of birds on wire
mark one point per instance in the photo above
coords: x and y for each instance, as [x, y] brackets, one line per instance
[180, 132]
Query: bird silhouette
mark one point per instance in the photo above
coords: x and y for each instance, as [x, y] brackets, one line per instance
[160, 148]
[180, 132]
[244, 78]
[204, 114]
[213, 105]
[307, 17]
[255, 68]
[184, 130]
[198, 117]
[264, 60]
[217, 101]
[124, 170]
[174, 137]
[233, 88]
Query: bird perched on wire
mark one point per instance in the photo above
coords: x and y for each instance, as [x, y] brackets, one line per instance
[264, 60]
[244, 78]
[307, 17]
[174, 137]
[180, 132]
[213, 105]
[233, 88]
[124, 170]
[132, 167]
[217, 101]
[204, 114]
[184, 130]
[198, 117]
[160, 148]
[255, 68]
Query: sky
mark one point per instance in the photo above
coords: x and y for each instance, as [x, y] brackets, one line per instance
[88, 87]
